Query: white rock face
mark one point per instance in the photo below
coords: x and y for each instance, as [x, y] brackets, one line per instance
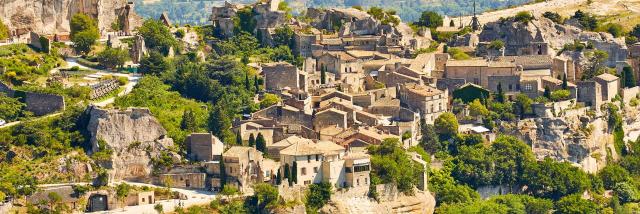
[516, 35]
[53, 16]
[566, 139]
[134, 136]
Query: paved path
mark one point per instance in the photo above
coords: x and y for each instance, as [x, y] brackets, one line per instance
[38, 118]
[194, 198]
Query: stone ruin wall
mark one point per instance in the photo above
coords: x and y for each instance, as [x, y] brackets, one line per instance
[43, 104]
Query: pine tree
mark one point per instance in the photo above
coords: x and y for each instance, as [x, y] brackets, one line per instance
[252, 140]
[294, 173]
[547, 92]
[238, 139]
[261, 145]
[220, 124]
[564, 82]
[188, 121]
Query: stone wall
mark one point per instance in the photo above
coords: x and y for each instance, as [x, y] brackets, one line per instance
[43, 104]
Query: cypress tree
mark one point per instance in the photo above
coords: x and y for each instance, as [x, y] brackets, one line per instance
[500, 96]
[547, 92]
[294, 173]
[252, 140]
[629, 78]
[223, 175]
[256, 84]
[564, 82]
[247, 84]
[261, 145]
[238, 139]
[278, 178]
[188, 121]
[323, 75]
[287, 173]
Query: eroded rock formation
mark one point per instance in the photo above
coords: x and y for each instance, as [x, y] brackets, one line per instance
[543, 36]
[53, 16]
[576, 138]
[134, 136]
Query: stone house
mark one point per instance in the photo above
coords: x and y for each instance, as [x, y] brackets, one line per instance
[477, 71]
[324, 161]
[67, 195]
[397, 73]
[429, 102]
[242, 166]
[357, 167]
[204, 147]
[556, 84]
[189, 180]
[280, 75]
[330, 117]
[590, 93]
[609, 84]
[141, 198]
[338, 63]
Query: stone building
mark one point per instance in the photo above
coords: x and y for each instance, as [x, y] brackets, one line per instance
[477, 71]
[427, 101]
[242, 166]
[204, 147]
[280, 75]
[194, 180]
[609, 84]
[590, 93]
[357, 167]
[313, 162]
[339, 63]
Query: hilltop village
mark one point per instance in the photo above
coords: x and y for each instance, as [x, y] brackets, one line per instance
[335, 110]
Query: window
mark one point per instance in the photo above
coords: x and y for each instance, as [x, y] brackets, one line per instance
[315, 169]
[510, 87]
[358, 181]
[528, 87]
[347, 169]
[307, 182]
[361, 168]
[303, 171]
[365, 181]
[142, 199]
[308, 158]
[317, 157]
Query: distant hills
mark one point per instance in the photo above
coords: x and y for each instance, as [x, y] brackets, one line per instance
[197, 12]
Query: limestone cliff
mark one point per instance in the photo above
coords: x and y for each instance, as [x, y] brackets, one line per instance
[53, 16]
[520, 37]
[573, 137]
[134, 136]
[355, 200]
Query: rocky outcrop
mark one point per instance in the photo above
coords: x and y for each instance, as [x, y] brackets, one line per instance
[355, 200]
[54, 16]
[576, 138]
[134, 138]
[526, 38]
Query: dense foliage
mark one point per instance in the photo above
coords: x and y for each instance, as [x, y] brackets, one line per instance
[391, 164]
[167, 106]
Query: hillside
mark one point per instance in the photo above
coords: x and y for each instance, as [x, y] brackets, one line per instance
[624, 12]
[197, 12]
